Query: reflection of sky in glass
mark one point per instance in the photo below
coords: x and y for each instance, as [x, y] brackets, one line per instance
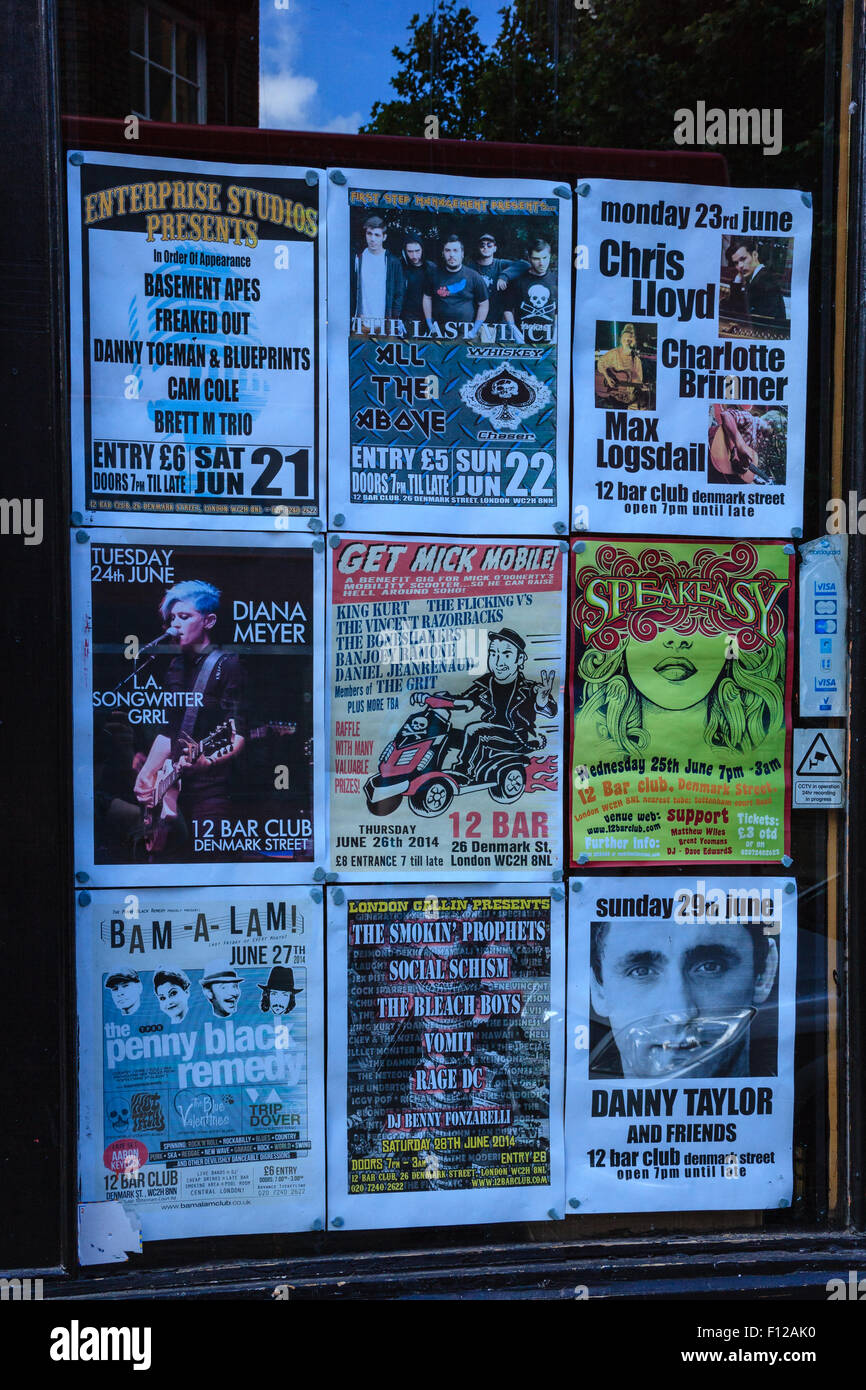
[323, 63]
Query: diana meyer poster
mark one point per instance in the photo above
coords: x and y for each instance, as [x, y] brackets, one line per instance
[681, 665]
[201, 1085]
[680, 1072]
[445, 1055]
[691, 324]
[197, 329]
[448, 329]
[445, 709]
[196, 663]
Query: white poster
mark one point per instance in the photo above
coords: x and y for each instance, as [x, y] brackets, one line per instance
[445, 1073]
[680, 1071]
[197, 342]
[691, 325]
[201, 1074]
[448, 329]
[445, 708]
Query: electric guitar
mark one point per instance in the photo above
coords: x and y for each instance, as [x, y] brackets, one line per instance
[160, 815]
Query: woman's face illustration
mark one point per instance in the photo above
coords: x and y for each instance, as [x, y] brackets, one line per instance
[676, 670]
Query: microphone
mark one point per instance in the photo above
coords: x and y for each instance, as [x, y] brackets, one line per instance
[155, 643]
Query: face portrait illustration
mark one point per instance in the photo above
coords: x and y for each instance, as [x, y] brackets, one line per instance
[504, 660]
[282, 1001]
[173, 1000]
[224, 996]
[676, 670]
[126, 995]
[680, 999]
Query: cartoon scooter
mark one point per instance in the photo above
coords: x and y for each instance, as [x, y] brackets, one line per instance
[412, 765]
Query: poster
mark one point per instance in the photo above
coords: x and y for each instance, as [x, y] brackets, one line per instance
[691, 325]
[197, 342]
[201, 1080]
[445, 1055]
[197, 668]
[681, 666]
[445, 708]
[680, 1072]
[448, 331]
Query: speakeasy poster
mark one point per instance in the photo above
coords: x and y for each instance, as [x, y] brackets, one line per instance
[680, 1071]
[196, 667]
[197, 296]
[445, 1055]
[681, 681]
[691, 324]
[201, 1081]
[448, 331]
[447, 662]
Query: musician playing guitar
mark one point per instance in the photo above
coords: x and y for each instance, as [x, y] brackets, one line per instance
[732, 457]
[621, 370]
[209, 689]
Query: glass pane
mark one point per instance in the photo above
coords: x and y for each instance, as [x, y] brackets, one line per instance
[160, 40]
[137, 98]
[186, 98]
[186, 53]
[160, 95]
[136, 29]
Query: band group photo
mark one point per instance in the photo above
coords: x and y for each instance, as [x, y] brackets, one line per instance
[414, 271]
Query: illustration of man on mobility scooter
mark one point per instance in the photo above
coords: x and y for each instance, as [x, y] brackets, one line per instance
[492, 752]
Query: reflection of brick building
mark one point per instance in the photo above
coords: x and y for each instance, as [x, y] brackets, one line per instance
[195, 61]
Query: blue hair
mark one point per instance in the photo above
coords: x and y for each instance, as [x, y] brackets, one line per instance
[205, 597]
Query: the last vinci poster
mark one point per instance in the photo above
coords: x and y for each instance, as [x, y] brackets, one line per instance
[681, 682]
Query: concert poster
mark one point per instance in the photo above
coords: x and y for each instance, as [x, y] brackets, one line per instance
[691, 326]
[197, 342]
[680, 1070]
[201, 1079]
[445, 1074]
[445, 699]
[197, 706]
[448, 332]
[681, 675]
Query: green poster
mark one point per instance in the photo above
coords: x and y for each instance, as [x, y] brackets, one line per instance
[681, 696]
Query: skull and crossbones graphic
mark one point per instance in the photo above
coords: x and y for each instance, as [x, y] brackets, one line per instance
[536, 305]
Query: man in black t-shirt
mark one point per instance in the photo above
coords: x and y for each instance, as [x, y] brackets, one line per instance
[456, 293]
[417, 271]
[497, 274]
[532, 297]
